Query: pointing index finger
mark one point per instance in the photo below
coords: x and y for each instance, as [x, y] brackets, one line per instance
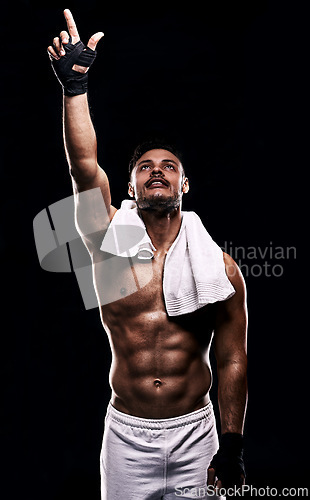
[73, 32]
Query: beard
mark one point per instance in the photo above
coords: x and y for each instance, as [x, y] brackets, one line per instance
[157, 203]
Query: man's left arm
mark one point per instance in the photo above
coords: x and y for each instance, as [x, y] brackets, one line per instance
[230, 347]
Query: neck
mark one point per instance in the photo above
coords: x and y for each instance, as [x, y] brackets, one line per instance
[162, 228]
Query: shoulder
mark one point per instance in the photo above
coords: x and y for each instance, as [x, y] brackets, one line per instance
[235, 277]
[113, 212]
[232, 313]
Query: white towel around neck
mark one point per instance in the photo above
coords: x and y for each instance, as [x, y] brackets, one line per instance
[194, 269]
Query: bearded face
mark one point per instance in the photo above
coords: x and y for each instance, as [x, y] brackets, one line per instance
[158, 182]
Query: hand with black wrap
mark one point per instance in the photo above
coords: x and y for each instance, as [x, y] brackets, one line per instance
[227, 464]
[71, 59]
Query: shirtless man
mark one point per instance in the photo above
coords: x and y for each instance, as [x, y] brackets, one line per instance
[160, 439]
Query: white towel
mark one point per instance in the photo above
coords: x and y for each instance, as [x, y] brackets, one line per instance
[194, 269]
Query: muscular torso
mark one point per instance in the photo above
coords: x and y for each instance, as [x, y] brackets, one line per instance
[160, 365]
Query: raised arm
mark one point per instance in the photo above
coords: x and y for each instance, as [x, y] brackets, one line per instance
[71, 61]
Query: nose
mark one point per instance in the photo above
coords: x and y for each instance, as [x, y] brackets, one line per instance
[157, 170]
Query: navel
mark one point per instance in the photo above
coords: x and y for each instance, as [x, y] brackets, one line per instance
[157, 382]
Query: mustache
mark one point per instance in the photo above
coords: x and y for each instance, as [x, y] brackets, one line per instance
[156, 179]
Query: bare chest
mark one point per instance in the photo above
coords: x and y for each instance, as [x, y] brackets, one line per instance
[133, 307]
[130, 285]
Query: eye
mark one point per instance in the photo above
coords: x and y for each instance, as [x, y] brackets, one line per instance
[169, 166]
[144, 167]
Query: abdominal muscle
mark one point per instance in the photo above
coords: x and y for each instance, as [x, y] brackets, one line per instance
[160, 366]
[159, 369]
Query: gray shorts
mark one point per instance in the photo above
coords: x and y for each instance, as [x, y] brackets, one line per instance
[157, 459]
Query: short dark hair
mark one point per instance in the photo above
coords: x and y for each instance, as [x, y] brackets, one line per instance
[153, 144]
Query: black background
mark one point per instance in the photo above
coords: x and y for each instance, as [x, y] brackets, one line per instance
[225, 80]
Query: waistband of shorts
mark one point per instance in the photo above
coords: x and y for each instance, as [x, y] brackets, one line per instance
[205, 413]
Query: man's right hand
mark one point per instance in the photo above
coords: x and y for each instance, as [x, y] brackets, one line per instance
[71, 59]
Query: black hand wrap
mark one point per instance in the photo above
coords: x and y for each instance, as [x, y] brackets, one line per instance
[228, 461]
[74, 82]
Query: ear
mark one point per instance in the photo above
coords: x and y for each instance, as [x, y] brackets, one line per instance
[185, 186]
[131, 190]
